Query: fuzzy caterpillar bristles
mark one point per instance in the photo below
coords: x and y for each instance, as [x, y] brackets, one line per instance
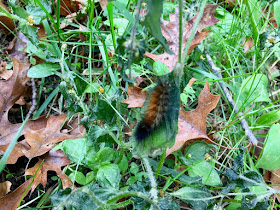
[156, 108]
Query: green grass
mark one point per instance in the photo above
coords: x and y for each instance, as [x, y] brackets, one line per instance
[88, 65]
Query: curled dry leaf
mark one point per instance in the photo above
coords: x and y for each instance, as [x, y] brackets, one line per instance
[5, 22]
[170, 30]
[5, 73]
[5, 188]
[136, 97]
[11, 201]
[53, 161]
[103, 4]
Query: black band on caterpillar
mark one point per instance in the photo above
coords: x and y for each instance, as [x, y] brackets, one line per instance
[155, 110]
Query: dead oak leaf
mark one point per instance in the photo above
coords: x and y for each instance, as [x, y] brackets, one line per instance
[5, 188]
[186, 132]
[206, 103]
[21, 146]
[6, 23]
[11, 201]
[192, 124]
[5, 73]
[53, 161]
[136, 97]
[10, 92]
[170, 30]
[43, 140]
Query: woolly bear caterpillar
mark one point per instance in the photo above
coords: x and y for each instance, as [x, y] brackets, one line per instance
[157, 107]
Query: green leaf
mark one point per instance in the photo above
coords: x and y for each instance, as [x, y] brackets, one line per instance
[79, 177]
[254, 89]
[175, 174]
[92, 88]
[270, 159]
[195, 153]
[87, 198]
[29, 31]
[36, 51]
[109, 176]
[106, 154]
[43, 70]
[276, 12]
[90, 177]
[160, 68]
[207, 172]
[123, 165]
[75, 149]
[190, 194]
[134, 168]
[152, 21]
[269, 118]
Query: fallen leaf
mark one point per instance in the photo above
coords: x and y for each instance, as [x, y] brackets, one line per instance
[5, 73]
[136, 97]
[53, 161]
[192, 124]
[206, 103]
[10, 92]
[17, 46]
[192, 80]
[103, 4]
[5, 188]
[69, 6]
[186, 132]
[11, 201]
[43, 140]
[5, 22]
[171, 33]
[275, 178]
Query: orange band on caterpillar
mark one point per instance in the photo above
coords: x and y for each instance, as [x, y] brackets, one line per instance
[156, 108]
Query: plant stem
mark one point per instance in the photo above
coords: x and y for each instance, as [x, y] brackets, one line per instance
[193, 32]
[160, 164]
[153, 191]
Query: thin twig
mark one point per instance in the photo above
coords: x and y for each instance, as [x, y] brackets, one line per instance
[243, 122]
[34, 101]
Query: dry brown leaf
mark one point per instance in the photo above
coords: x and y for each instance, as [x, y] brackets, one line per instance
[53, 161]
[170, 31]
[206, 103]
[17, 46]
[5, 21]
[186, 132]
[136, 97]
[69, 6]
[249, 43]
[192, 124]
[192, 80]
[11, 201]
[5, 188]
[10, 92]
[5, 73]
[43, 140]
[103, 4]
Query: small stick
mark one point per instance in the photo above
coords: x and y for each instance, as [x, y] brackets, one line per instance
[34, 95]
[243, 122]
